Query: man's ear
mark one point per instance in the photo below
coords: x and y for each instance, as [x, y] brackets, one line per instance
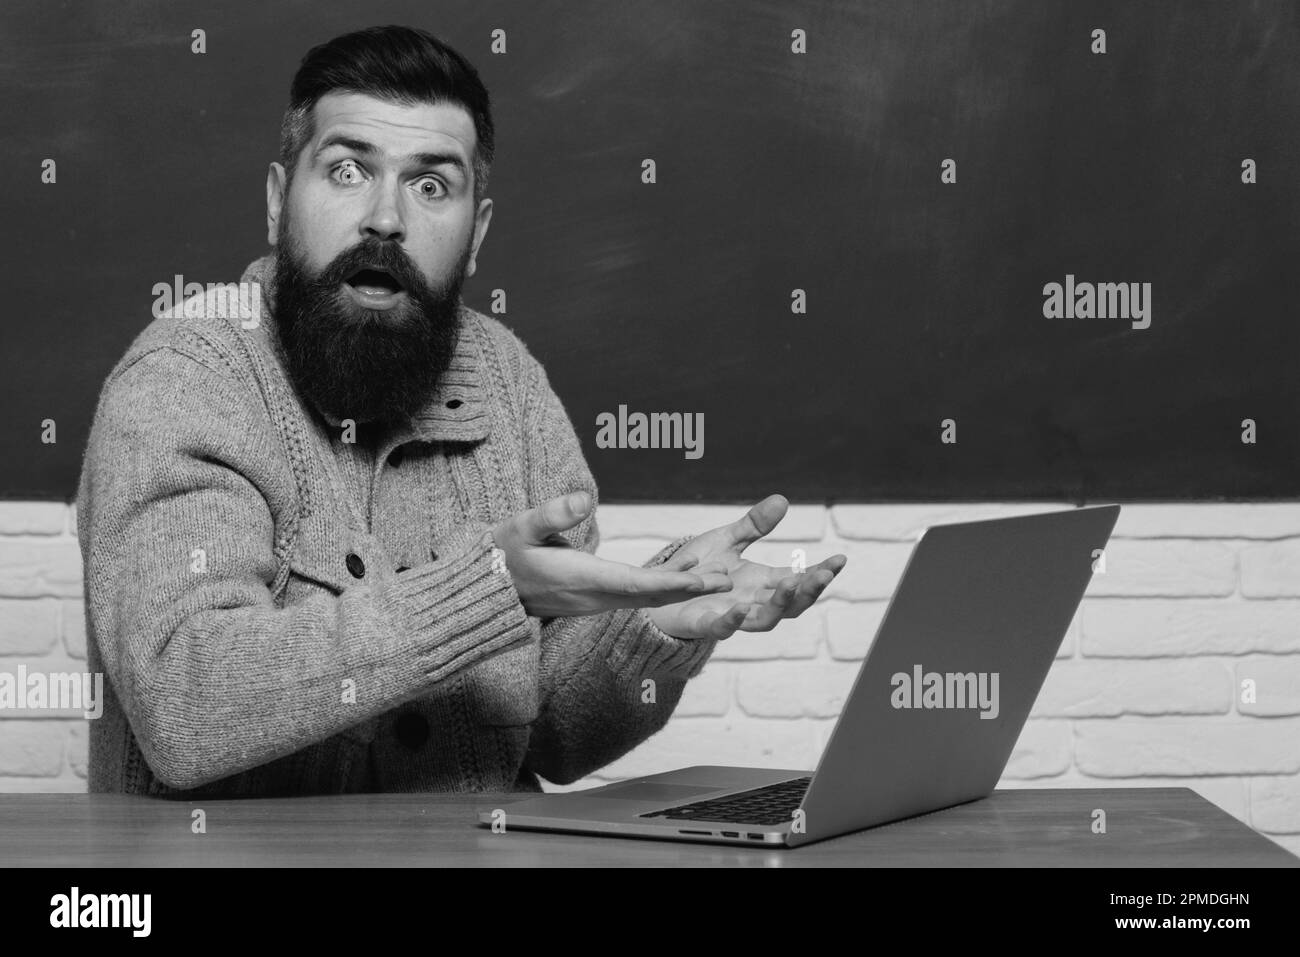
[274, 201]
[481, 220]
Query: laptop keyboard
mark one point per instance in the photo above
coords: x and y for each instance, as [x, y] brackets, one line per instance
[772, 804]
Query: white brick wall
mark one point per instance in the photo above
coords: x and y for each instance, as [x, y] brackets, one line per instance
[1146, 691]
[41, 627]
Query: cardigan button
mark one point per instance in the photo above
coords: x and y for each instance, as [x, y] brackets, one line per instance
[355, 565]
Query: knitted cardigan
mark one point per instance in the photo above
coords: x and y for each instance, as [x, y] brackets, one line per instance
[278, 609]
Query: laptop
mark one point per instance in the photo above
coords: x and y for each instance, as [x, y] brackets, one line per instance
[938, 703]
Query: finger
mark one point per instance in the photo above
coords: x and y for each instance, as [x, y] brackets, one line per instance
[628, 586]
[835, 564]
[769, 607]
[719, 627]
[763, 616]
[554, 516]
[789, 599]
[784, 591]
[811, 586]
[680, 560]
[758, 521]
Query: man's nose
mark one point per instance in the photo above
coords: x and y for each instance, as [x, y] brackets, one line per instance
[383, 219]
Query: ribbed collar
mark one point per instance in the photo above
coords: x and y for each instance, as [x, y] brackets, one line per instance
[462, 384]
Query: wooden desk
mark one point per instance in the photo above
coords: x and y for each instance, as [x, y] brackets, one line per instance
[1146, 827]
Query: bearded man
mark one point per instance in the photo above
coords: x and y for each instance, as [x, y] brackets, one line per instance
[350, 547]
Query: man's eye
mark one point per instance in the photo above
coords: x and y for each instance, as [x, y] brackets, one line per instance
[428, 187]
[347, 173]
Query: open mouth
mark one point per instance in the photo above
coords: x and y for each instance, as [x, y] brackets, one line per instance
[371, 281]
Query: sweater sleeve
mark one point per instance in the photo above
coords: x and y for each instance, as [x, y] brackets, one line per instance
[183, 475]
[608, 681]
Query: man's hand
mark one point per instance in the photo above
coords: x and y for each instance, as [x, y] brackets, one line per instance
[553, 578]
[762, 595]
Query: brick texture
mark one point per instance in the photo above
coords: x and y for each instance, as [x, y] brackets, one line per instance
[1182, 667]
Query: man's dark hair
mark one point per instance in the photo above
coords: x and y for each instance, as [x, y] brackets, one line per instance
[396, 63]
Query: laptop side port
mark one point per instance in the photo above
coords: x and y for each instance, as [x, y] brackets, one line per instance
[754, 837]
[705, 833]
[731, 834]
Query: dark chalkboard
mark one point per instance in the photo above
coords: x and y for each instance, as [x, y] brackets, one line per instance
[776, 171]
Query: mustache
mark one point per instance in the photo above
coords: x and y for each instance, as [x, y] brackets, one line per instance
[374, 254]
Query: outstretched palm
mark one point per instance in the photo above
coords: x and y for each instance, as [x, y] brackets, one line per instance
[761, 595]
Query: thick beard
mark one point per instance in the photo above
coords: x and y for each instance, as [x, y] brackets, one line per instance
[364, 364]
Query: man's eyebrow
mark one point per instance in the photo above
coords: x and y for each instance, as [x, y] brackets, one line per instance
[364, 148]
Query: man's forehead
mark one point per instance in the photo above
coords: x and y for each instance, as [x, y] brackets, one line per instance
[395, 127]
